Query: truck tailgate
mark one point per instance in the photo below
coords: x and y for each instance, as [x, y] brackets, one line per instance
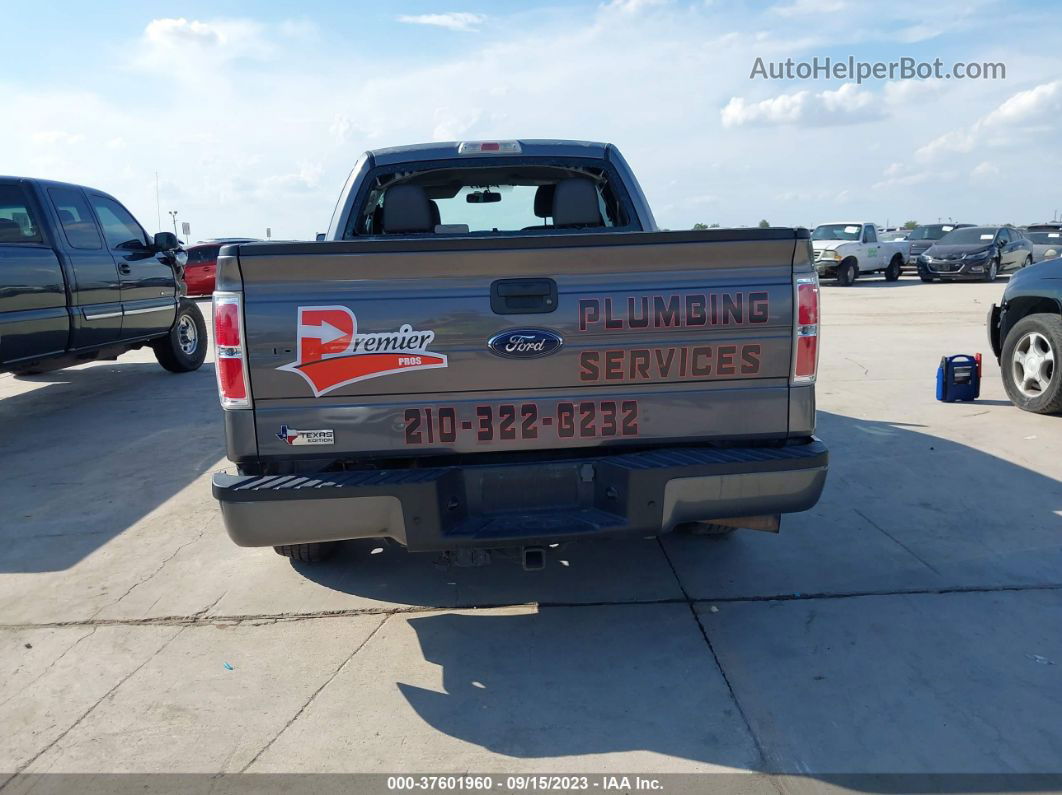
[384, 346]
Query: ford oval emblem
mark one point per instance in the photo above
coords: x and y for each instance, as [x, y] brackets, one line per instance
[525, 343]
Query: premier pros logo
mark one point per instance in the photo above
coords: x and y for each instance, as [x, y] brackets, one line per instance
[332, 354]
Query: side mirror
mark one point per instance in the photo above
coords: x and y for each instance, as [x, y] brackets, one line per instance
[165, 241]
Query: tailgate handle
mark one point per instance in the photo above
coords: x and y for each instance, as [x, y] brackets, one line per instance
[523, 296]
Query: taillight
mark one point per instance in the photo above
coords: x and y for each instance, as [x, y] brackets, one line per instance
[806, 330]
[230, 352]
[488, 147]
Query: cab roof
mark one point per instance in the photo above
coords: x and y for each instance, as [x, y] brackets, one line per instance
[445, 150]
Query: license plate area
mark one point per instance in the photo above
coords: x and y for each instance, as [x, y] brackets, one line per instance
[509, 489]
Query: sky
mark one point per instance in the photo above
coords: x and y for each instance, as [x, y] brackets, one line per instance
[253, 113]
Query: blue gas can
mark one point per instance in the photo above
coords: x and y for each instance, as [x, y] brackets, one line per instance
[959, 378]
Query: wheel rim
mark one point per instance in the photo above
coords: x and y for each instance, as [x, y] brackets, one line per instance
[1033, 364]
[187, 336]
[993, 271]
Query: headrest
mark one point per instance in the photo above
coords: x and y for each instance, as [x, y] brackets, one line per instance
[544, 200]
[436, 218]
[10, 231]
[406, 209]
[66, 216]
[575, 203]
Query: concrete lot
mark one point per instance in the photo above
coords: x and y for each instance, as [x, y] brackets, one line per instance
[910, 623]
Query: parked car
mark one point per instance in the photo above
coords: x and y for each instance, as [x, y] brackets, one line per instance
[1025, 331]
[846, 250]
[975, 252]
[1046, 240]
[202, 264]
[922, 237]
[461, 374]
[80, 279]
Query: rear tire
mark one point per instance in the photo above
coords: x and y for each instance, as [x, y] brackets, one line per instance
[184, 348]
[846, 273]
[892, 273]
[308, 553]
[1035, 386]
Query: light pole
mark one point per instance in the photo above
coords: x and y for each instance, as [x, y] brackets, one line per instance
[173, 216]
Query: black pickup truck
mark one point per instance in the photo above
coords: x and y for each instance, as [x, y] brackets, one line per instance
[80, 280]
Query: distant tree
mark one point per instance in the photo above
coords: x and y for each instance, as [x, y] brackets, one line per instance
[698, 227]
[910, 224]
[713, 226]
[764, 223]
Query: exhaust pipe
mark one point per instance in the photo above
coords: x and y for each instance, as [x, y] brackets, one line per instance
[534, 558]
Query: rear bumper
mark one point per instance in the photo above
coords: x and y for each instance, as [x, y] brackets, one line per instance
[520, 504]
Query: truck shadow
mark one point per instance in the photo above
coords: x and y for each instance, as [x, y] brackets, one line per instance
[602, 677]
[915, 532]
[89, 451]
[872, 281]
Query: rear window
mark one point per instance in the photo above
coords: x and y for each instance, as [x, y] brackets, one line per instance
[1045, 238]
[444, 199]
[202, 254]
[18, 223]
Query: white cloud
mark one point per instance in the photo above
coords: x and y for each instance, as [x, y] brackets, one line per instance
[195, 50]
[632, 6]
[453, 20]
[848, 104]
[182, 32]
[1036, 109]
[57, 137]
[985, 170]
[1042, 103]
[251, 127]
[908, 92]
[451, 124]
[809, 7]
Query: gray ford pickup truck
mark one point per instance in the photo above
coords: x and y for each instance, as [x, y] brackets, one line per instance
[494, 346]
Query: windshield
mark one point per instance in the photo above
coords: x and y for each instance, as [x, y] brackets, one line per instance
[968, 235]
[836, 232]
[931, 232]
[1045, 238]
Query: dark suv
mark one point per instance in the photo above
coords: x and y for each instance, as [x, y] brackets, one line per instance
[922, 237]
